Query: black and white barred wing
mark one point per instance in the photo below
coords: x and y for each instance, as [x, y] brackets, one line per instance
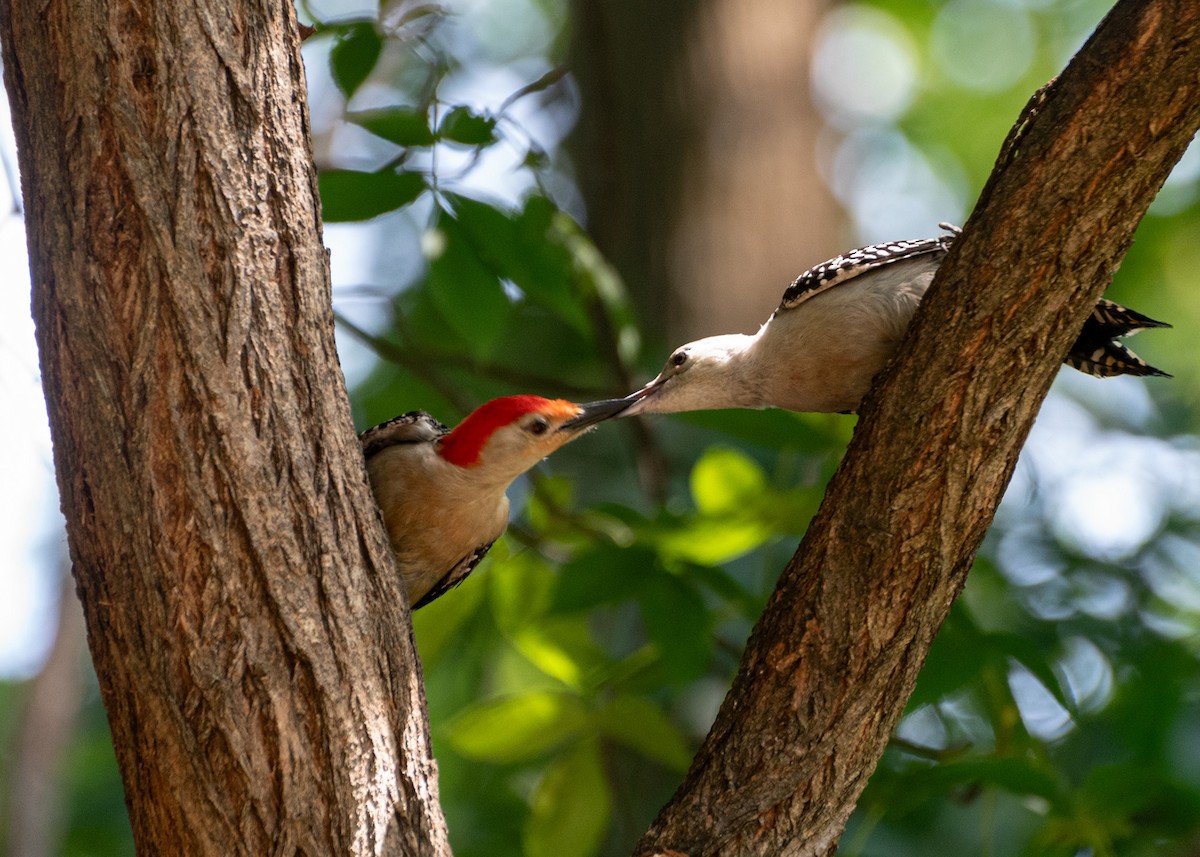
[847, 266]
[413, 427]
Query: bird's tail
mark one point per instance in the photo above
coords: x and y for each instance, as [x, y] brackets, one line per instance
[1096, 351]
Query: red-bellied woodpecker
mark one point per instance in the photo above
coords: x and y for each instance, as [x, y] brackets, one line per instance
[834, 331]
[441, 492]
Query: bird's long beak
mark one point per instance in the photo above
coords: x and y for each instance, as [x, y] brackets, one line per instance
[634, 401]
[595, 412]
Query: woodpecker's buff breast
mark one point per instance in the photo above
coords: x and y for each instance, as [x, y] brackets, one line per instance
[441, 492]
[835, 329]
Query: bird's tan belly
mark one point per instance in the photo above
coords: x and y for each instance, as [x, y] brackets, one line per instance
[431, 541]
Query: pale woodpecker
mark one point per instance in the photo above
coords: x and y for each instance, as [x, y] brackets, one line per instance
[836, 328]
[442, 492]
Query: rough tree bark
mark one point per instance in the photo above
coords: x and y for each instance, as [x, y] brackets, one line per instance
[836, 653]
[243, 611]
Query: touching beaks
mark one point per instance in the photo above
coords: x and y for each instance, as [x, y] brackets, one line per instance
[635, 399]
[595, 412]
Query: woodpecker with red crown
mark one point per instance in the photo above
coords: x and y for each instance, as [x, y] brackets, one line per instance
[441, 491]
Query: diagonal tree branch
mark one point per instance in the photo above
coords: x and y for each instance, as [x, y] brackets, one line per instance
[833, 659]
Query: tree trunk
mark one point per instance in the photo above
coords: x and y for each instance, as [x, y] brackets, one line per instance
[42, 736]
[835, 656]
[696, 154]
[243, 612]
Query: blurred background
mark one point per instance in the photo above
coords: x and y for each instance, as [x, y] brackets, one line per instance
[540, 196]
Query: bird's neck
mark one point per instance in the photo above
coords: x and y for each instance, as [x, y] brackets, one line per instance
[744, 374]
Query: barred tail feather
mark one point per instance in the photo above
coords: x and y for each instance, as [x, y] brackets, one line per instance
[1113, 320]
[1096, 351]
[1109, 359]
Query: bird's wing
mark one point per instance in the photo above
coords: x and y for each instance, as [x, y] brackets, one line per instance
[455, 576]
[413, 427]
[849, 265]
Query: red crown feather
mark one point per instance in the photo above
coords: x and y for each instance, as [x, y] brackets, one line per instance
[465, 443]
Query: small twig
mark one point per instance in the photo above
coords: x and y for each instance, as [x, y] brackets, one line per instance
[421, 368]
[544, 82]
[935, 754]
[423, 362]
[734, 650]
[651, 463]
[558, 512]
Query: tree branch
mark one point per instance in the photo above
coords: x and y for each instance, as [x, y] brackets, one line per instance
[835, 656]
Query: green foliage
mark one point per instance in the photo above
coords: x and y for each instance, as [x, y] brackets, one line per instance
[468, 292]
[404, 126]
[518, 728]
[570, 807]
[463, 125]
[642, 726]
[355, 51]
[351, 195]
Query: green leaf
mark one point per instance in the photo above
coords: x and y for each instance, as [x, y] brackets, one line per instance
[350, 195]
[593, 278]
[726, 586]
[437, 625]
[956, 660]
[548, 273]
[1016, 775]
[738, 511]
[602, 575]
[570, 806]
[516, 728]
[353, 56]
[463, 125]
[678, 624]
[563, 649]
[776, 429]
[521, 588]
[403, 126]
[553, 494]
[712, 541]
[1031, 656]
[492, 232]
[522, 248]
[641, 725]
[726, 482]
[1149, 798]
[468, 293]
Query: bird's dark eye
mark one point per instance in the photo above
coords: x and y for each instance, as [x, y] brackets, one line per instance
[679, 358]
[538, 426]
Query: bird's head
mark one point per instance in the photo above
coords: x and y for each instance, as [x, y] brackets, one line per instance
[704, 374]
[512, 434]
